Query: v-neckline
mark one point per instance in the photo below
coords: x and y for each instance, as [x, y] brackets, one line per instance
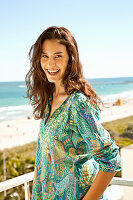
[49, 107]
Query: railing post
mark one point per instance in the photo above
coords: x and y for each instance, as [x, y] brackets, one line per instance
[27, 191]
[4, 168]
[127, 169]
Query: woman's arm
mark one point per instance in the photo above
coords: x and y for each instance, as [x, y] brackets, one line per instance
[98, 144]
[99, 185]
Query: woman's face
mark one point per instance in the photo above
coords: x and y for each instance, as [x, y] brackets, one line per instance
[54, 59]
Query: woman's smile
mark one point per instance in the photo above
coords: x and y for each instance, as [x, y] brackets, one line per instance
[52, 72]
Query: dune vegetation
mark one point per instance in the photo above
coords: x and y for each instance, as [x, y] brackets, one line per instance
[121, 130]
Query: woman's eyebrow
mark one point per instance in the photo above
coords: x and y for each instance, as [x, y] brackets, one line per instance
[58, 52]
[54, 53]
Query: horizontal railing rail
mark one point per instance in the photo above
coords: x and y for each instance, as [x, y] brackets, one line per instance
[122, 181]
[26, 178]
[5, 185]
[20, 180]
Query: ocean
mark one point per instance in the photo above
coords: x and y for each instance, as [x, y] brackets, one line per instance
[13, 105]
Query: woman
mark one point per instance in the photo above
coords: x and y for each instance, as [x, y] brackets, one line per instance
[75, 156]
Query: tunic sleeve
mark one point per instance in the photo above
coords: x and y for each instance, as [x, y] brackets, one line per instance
[37, 185]
[97, 141]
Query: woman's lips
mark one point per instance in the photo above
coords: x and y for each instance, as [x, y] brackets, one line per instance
[53, 73]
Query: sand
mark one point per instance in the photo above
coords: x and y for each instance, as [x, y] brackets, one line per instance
[22, 131]
[117, 112]
[18, 132]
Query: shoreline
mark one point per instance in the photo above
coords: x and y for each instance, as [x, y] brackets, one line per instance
[23, 131]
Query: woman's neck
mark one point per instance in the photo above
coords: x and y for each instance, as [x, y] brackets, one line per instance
[58, 90]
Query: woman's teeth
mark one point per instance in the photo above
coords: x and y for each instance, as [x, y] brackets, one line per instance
[53, 72]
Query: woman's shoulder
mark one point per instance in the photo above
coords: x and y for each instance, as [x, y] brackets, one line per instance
[81, 101]
[80, 97]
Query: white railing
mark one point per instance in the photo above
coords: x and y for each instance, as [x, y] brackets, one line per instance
[122, 181]
[26, 178]
[20, 180]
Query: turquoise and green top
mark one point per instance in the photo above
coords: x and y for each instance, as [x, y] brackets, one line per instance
[72, 146]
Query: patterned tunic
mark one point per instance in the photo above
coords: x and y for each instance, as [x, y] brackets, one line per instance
[72, 146]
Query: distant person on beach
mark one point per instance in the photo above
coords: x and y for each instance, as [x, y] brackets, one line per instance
[75, 156]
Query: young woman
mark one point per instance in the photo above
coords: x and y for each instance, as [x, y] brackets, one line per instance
[75, 156]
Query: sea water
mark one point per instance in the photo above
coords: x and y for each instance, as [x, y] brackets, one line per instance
[13, 105]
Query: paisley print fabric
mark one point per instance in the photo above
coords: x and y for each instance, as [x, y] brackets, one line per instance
[72, 146]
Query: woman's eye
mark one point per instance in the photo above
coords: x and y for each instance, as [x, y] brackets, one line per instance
[58, 56]
[44, 56]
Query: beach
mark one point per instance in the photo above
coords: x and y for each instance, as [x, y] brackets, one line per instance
[22, 131]
[117, 112]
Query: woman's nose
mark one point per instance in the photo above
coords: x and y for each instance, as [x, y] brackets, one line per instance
[51, 62]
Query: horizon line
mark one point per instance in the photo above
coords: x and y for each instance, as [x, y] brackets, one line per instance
[84, 77]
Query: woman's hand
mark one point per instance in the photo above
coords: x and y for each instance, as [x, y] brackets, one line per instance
[99, 185]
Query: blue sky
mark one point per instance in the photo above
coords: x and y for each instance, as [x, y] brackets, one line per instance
[103, 30]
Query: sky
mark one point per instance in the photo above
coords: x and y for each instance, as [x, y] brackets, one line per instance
[103, 30]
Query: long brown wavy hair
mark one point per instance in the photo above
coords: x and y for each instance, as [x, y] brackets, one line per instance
[38, 86]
